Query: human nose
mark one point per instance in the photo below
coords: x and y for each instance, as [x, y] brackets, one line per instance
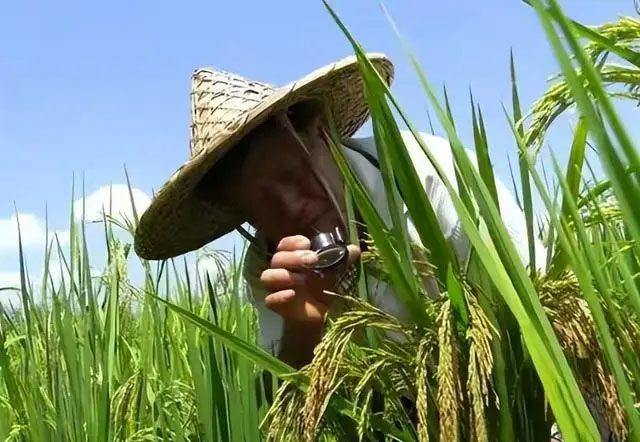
[289, 200]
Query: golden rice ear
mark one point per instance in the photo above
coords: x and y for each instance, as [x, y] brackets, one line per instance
[422, 381]
[479, 336]
[449, 395]
[573, 323]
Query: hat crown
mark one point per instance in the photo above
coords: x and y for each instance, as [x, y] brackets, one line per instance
[220, 103]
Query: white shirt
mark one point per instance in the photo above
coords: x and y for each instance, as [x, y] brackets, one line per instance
[383, 296]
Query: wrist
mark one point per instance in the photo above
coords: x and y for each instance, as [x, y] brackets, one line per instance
[306, 326]
[299, 340]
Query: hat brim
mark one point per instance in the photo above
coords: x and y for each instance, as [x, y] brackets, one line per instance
[179, 220]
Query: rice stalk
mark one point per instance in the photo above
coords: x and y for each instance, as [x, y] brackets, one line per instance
[572, 321]
[609, 212]
[324, 371]
[568, 313]
[364, 403]
[341, 366]
[143, 435]
[373, 263]
[18, 432]
[388, 372]
[421, 373]
[449, 397]
[367, 372]
[559, 98]
[479, 336]
[625, 32]
[606, 393]
[124, 405]
[284, 419]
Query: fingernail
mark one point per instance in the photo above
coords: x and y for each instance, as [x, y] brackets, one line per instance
[309, 259]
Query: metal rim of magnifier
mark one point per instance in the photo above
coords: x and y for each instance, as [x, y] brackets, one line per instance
[331, 256]
[331, 250]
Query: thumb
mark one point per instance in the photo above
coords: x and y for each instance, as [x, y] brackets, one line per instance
[354, 254]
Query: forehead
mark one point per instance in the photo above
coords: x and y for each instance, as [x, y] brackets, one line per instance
[273, 146]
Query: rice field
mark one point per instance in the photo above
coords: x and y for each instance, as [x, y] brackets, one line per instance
[505, 352]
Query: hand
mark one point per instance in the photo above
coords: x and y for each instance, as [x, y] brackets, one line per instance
[296, 290]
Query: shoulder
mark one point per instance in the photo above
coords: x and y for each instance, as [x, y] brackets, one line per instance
[365, 149]
[368, 143]
[437, 145]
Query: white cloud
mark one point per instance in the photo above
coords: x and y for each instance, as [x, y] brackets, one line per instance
[9, 279]
[10, 298]
[114, 200]
[33, 233]
[56, 273]
[32, 230]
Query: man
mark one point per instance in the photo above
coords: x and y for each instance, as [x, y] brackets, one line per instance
[258, 155]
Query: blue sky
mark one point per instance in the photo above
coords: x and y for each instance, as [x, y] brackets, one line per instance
[88, 87]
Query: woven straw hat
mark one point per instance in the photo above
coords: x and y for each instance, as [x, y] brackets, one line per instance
[224, 108]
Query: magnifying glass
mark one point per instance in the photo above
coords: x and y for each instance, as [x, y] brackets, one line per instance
[331, 249]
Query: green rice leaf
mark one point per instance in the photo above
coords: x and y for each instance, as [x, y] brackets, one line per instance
[524, 174]
[560, 385]
[482, 151]
[574, 174]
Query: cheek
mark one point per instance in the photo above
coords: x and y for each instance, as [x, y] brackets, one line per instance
[310, 187]
[262, 204]
[331, 173]
[245, 198]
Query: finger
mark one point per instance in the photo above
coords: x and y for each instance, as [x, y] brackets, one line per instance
[279, 279]
[300, 259]
[329, 279]
[295, 242]
[354, 254]
[285, 303]
[352, 258]
[277, 300]
[289, 304]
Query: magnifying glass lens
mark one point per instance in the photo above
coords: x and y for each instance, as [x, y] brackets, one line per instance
[331, 256]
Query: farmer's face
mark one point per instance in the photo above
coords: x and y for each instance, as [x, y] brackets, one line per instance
[278, 189]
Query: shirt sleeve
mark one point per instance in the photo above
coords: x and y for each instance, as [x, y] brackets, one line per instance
[438, 194]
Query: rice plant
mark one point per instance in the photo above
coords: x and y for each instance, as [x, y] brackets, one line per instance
[503, 352]
[97, 358]
[524, 350]
[619, 40]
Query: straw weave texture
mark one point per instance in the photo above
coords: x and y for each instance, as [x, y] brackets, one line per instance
[224, 108]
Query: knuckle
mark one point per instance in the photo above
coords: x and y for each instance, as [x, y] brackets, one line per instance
[294, 242]
[299, 238]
